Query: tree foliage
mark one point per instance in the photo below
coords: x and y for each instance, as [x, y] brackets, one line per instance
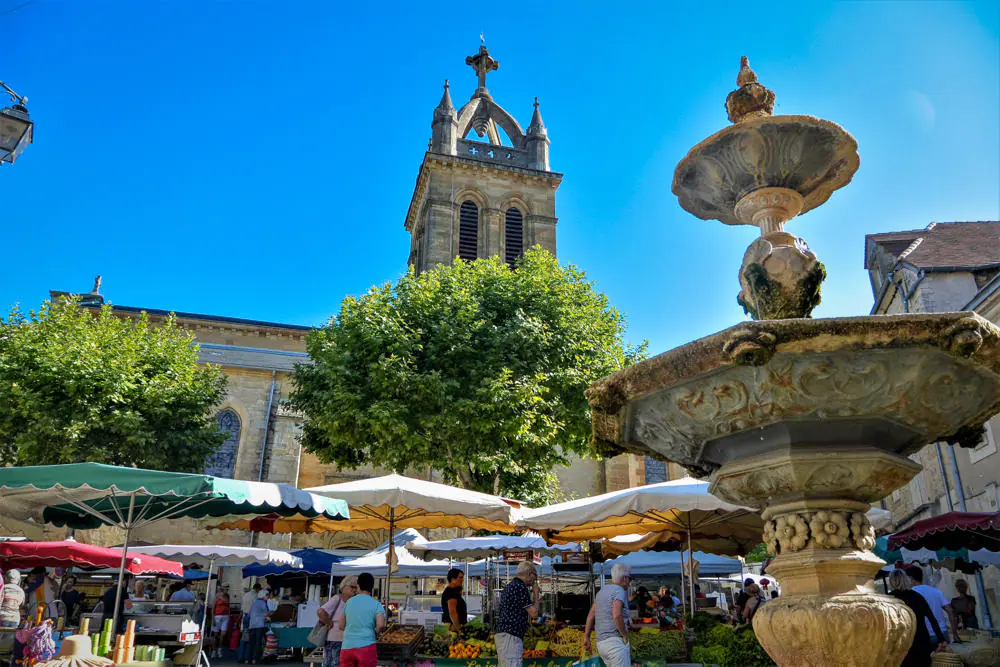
[76, 385]
[477, 370]
[758, 554]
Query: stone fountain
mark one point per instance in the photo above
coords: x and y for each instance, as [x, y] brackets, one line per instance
[809, 420]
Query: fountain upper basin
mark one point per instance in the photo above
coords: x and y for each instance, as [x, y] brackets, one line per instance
[895, 383]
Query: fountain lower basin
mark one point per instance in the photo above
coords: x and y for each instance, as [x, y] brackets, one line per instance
[810, 421]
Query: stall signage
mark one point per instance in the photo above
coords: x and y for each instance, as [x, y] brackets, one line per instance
[523, 554]
[575, 557]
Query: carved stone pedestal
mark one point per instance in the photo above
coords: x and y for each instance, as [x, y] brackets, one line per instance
[814, 502]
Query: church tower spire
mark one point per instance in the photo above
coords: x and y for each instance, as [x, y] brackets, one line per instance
[537, 141]
[485, 186]
[444, 127]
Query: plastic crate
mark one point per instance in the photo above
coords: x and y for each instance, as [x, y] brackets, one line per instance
[398, 651]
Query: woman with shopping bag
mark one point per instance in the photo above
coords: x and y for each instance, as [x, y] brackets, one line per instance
[608, 617]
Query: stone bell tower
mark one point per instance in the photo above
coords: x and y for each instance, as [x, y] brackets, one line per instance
[491, 194]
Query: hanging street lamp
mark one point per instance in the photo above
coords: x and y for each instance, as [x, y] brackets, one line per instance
[15, 127]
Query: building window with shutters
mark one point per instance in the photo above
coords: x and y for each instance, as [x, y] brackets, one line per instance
[468, 231]
[514, 235]
[223, 462]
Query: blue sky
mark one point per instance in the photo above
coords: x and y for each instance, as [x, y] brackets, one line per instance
[255, 159]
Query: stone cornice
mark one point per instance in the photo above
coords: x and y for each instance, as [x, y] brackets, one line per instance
[438, 161]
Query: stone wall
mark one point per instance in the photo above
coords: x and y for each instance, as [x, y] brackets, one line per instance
[447, 182]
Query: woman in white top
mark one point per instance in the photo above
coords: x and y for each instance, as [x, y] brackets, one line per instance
[330, 614]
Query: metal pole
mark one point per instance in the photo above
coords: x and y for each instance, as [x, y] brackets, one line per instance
[683, 592]
[121, 568]
[263, 444]
[987, 618]
[691, 573]
[204, 616]
[390, 555]
[330, 592]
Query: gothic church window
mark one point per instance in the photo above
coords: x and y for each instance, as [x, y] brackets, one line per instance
[468, 231]
[656, 471]
[223, 462]
[514, 234]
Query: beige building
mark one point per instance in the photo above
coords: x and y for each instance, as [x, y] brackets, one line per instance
[472, 199]
[941, 268]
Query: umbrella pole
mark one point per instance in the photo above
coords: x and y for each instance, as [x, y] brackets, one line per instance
[691, 573]
[330, 592]
[683, 591]
[391, 555]
[121, 568]
[204, 616]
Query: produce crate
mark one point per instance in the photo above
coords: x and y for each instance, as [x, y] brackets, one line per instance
[399, 642]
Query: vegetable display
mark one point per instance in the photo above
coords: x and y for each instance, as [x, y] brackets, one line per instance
[660, 645]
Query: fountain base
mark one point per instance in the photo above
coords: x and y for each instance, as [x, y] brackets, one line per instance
[859, 628]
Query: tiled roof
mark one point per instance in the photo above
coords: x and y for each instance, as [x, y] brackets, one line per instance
[945, 245]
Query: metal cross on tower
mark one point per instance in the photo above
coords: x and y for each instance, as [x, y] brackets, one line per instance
[483, 64]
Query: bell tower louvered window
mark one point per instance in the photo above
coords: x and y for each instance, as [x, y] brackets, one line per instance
[468, 231]
[514, 234]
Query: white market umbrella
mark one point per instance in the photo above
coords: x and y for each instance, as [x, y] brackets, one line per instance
[394, 501]
[408, 564]
[474, 548]
[669, 512]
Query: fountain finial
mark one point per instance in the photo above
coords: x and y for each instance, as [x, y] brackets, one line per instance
[746, 74]
[751, 99]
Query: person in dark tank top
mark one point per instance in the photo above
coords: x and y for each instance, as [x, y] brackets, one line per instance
[453, 609]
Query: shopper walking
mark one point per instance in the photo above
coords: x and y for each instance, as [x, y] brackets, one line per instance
[13, 598]
[934, 597]
[363, 619]
[259, 614]
[920, 651]
[519, 603]
[330, 614]
[609, 618]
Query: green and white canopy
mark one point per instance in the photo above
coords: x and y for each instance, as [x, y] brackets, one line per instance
[88, 495]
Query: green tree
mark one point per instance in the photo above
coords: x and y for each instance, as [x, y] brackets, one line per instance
[78, 385]
[476, 369]
[758, 554]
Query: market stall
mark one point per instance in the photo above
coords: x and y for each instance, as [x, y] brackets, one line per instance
[674, 515]
[68, 554]
[221, 556]
[91, 495]
[492, 552]
[394, 502]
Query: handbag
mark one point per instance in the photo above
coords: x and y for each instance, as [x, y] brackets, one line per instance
[317, 637]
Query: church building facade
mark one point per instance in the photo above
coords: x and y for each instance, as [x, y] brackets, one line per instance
[472, 199]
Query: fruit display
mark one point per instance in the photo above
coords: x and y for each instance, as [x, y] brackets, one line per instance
[463, 651]
[487, 647]
[437, 645]
[538, 633]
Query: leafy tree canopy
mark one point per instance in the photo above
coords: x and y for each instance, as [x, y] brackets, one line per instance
[78, 385]
[477, 370]
[758, 554]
